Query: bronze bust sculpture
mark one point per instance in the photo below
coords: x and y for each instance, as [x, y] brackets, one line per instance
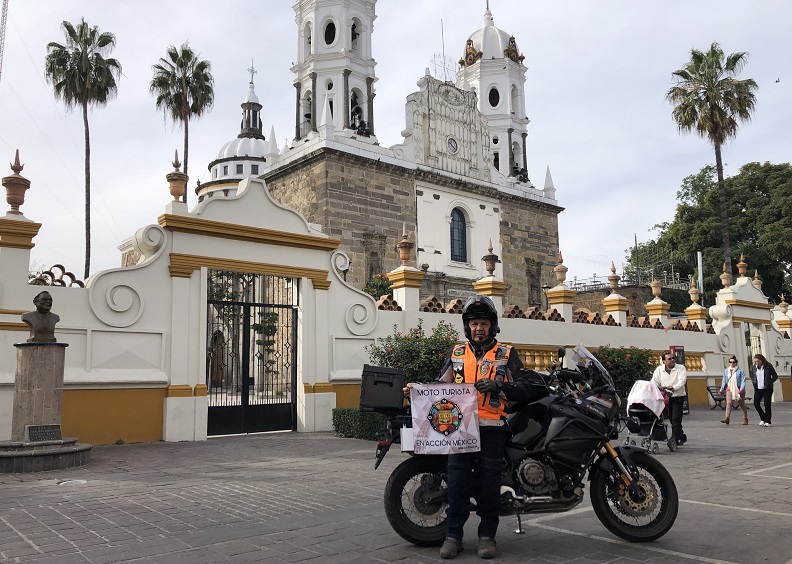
[42, 321]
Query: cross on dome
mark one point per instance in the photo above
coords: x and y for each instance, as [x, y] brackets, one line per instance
[252, 70]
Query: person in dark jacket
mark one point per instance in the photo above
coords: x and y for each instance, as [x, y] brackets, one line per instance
[763, 377]
[496, 371]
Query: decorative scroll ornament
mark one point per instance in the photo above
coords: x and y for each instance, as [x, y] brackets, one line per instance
[360, 317]
[148, 240]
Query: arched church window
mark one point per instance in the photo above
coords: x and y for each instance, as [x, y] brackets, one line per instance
[330, 33]
[516, 107]
[307, 40]
[354, 33]
[458, 236]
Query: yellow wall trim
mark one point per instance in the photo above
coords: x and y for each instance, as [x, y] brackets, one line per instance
[13, 326]
[347, 395]
[179, 391]
[18, 234]
[201, 390]
[182, 266]
[12, 311]
[219, 229]
[657, 309]
[405, 278]
[749, 304]
[558, 296]
[737, 319]
[490, 287]
[104, 417]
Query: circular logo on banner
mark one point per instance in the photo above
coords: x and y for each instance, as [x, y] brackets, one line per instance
[445, 417]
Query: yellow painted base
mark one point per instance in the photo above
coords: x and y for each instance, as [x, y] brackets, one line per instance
[347, 395]
[697, 392]
[103, 417]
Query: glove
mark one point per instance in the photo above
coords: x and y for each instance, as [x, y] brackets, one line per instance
[488, 386]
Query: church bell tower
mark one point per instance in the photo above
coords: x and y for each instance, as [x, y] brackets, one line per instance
[334, 71]
[492, 67]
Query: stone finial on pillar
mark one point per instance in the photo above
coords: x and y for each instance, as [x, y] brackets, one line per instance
[177, 179]
[725, 277]
[784, 321]
[405, 279]
[490, 285]
[614, 278]
[15, 186]
[561, 298]
[757, 282]
[560, 270]
[657, 308]
[742, 266]
[405, 247]
[696, 313]
[616, 305]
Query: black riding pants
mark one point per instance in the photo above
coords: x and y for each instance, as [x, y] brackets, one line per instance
[489, 463]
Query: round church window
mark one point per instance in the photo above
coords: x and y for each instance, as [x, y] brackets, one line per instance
[330, 33]
[494, 97]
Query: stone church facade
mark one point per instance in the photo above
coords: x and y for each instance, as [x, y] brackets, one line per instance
[457, 185]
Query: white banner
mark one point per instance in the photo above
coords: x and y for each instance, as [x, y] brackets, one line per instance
[445, 418]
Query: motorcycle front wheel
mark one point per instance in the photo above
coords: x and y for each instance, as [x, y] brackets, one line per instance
[633, 518]
[415, 504]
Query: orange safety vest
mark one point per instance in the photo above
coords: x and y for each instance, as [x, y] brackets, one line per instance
[468, 369]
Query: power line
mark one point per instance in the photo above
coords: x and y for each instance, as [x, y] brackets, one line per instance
[3, 19]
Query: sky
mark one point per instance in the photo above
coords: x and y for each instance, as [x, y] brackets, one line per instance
[598, 71]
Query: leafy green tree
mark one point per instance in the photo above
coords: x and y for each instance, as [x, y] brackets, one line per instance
[184, 88]
[709, 99]
[760, 197]
[82, 75]
[419, 355]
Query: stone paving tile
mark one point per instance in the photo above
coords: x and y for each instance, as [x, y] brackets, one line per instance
[316, 498]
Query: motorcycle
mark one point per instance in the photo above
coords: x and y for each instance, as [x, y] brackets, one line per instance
[558, 437]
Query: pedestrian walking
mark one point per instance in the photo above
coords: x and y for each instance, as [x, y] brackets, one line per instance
[734, 385]
[763, 376]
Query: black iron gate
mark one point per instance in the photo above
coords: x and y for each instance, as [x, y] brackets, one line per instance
[251, 354]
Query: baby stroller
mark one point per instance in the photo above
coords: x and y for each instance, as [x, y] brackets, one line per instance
[648, 404]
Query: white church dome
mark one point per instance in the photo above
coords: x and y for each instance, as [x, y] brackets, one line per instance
[244, 147]
[491, 42]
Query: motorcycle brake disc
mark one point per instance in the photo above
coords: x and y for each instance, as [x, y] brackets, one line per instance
[632, 508]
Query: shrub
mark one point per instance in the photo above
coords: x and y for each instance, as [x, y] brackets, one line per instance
[378, 286]
[625, 365]
[419, 355]
[350, 422]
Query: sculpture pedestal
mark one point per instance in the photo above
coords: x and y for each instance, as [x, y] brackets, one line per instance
[36, 443]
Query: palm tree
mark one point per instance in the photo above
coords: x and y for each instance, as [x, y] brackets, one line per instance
[709, 99]
[81, 75]
[184, 87]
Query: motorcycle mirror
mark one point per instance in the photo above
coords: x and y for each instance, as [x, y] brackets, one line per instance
[561, 352]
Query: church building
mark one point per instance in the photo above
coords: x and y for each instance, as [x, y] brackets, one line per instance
[457, 184]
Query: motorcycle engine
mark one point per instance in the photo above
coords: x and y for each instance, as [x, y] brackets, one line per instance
[536, 478]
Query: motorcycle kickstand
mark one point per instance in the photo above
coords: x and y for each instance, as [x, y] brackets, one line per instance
[520, 530]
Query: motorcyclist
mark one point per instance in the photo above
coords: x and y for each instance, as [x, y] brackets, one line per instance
[496, 371]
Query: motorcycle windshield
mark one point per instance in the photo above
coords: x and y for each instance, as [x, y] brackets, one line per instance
[581, 355]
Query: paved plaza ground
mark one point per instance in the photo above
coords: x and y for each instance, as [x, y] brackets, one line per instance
[288, 497]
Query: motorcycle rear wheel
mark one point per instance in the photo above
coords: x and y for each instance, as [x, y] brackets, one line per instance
[414, 517]
[637, 520]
